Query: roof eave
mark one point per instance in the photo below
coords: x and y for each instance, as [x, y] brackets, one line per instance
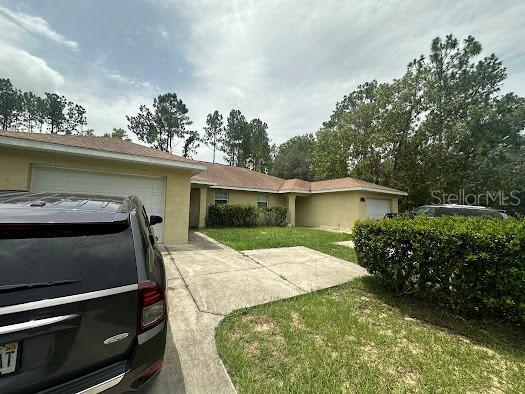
[248, 189]
[203, 182]
[346, 189]
[361, 188]
[294, 191]
[100, 154]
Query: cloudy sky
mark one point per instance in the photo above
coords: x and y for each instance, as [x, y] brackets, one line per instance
[286, 62]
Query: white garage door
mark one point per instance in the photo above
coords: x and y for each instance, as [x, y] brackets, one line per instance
[150, 190]
[377, 208]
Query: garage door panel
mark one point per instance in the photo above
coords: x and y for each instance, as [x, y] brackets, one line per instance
[150, 190]
[157, 200]
[377, 208]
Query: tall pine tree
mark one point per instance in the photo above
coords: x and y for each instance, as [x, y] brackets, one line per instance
[214, 131]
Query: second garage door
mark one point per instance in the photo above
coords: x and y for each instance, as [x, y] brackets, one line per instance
[150, 190]
[377, 208]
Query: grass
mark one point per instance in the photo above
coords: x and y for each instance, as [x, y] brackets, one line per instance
[359, 337]
[240, 238]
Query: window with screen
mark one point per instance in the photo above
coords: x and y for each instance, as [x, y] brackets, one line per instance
[221, 197]
[262, 201]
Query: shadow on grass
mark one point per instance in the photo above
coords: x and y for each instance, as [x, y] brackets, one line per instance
[500, 336]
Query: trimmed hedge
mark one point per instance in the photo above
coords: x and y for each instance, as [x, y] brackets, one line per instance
[233, 215]
[275, 216]
[470, 264]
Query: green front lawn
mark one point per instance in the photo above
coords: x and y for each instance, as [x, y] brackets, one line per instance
[240, 238]
[359, 337]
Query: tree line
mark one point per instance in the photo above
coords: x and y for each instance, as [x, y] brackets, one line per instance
[441, 127]
[53, 113]
[29, 112]
[244, 143]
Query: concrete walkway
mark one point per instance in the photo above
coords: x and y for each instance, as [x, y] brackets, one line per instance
[207, 280]
[348, 244]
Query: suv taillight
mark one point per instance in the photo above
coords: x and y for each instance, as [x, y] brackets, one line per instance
[152, 306]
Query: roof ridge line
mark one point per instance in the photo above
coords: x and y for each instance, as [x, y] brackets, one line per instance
[96, 146]
[296, 179]
[20, 134]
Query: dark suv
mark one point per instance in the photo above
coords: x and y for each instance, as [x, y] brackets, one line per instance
[458, 210]
[82, 294]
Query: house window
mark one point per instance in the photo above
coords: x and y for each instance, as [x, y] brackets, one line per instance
[221, 197]
[262, 201]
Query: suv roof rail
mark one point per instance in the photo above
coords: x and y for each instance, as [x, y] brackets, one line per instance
[458, 206]
[66, 206]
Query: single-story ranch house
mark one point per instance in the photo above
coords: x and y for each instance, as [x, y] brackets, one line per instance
[179, 189]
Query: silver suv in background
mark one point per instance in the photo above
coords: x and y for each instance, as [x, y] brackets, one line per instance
[458, 210]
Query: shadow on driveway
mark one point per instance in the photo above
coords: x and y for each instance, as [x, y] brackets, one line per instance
[170, 379]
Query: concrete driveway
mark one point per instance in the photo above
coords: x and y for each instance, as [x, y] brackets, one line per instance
[207, 280]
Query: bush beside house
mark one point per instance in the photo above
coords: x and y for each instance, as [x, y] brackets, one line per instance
[275, 216]
[471, 264]
[244, 215]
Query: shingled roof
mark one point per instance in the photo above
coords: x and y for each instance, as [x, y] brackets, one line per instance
[106, 144]
[347, 183]
[237, 177]
[230, 177]
[216, 175]
[295, 184]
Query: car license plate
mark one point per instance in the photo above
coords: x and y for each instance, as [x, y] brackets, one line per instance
[8, 353]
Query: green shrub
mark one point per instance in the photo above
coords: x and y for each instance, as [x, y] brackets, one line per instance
[471, 264]
[230, 215]
[274, 216]
[233, 215]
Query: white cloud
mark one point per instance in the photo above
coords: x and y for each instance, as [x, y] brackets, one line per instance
[107, 94]
[19, 33]
[106, 112]
[125, 80]
[293, 60]
[35, 25]
[234, 94]
[107, 103]
[28, 72]
[163, 32]
[287, 62]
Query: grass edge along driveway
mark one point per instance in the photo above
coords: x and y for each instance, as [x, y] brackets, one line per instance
[246, 238]
[359, 337]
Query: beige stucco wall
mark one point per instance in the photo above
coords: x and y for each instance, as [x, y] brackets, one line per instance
[244, 197]
[15, 173]
[336, 210]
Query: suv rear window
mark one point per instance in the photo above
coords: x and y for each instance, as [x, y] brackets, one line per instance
[425, 211]
[451, 212]
[72, 258]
